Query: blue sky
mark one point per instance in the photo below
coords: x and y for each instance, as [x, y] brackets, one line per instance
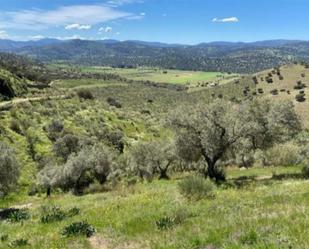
[172, 21]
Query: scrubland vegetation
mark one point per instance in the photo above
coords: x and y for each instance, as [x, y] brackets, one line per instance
[98, 159]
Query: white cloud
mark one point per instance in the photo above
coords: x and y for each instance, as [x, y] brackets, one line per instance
[117, 3]
[227, 19]
[73, 37]
[105, 30]
[108, 29]
[36, 37]
[137, 17]
[77, 26]
[3, 34]
[36, 19]
[117, 33]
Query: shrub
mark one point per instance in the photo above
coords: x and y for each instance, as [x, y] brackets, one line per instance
[51, 214]
[73, 212]
[54, 129]
[287, 154]
[84, 94]
[305, 171]
[196, 188]
[66, 145]
[116, 139]
[6, 213]
[269, 80]
[19, 215]
[180, 215]
[9, 169]
[274, 92]
[260, 91]
[300, 85]
[79, 228]
[19, 243]
[165, 223]
[113, 102]
[15, 126]
[4, 237]
[249, 238]
[300, 97]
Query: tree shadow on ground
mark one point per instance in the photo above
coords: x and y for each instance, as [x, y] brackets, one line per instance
[245, 181]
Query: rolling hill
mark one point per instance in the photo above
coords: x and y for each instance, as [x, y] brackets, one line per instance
[215, 56]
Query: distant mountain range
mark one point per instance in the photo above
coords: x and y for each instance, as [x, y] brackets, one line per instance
[236, 57]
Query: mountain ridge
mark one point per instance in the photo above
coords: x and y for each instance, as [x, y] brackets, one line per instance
[236, 57]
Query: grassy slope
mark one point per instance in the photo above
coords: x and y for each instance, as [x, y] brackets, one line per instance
[291, 74]
[262, 214]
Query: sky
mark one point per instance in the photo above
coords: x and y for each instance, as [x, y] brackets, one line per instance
[169, 21]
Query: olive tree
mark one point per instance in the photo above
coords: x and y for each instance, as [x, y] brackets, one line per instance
[66, 145]
[9, 169]
[155, 157]
[47, 178]
[211, 131]
[90, 164]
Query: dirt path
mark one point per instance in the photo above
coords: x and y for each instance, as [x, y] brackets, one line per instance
[6, 105]
[99, 242]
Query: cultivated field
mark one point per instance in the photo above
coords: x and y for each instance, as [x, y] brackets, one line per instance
[167, 76]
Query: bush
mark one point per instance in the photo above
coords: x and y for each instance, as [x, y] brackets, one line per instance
[66, 145]
[54, 129]
[196, 188]
[84, 94]
[165, 223]
[19, 243]
[249, 238]
[73, 212]
[79, 228]
[113, 102]
[19, 215]
[15, 126]
[274, 92]
[4, 237]
[9, 169]
[287, 154]
[300, 97]
[305, 171]
[51, 214]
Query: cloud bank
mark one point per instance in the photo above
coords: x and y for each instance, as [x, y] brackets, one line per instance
[69, 16]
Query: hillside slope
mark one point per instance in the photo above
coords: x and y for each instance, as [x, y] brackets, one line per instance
[11, 85]
[220, 56]
[287, 82]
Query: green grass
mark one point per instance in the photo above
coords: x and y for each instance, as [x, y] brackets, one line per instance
[84, 83]
[157, 75]
[269, 214]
